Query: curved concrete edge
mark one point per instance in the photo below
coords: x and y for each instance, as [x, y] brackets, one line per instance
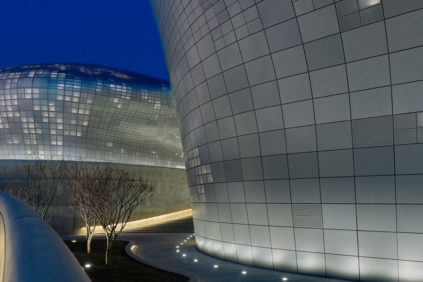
[130, 248]
[33, 251]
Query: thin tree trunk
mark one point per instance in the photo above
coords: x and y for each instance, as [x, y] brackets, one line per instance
[89, 237]
[89, 245]
[108, 250]
[90, 234]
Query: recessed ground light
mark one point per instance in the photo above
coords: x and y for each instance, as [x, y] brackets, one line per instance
[177, 251]
[73, 241]
[184, 255]
[177, 247]
[284, 279]
[244, 272]
[215, 266]
[195, 260]
[87, 265]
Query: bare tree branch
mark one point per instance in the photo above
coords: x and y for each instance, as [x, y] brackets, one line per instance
[115, 196]
[80, 182]
[39, 186]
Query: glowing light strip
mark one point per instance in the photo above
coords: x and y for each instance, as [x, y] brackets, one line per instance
[146, 221]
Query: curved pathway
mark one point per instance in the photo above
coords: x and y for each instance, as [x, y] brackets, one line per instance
[171, 247]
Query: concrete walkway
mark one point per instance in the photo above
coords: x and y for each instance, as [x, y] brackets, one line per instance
[157, 246]
[159, 250]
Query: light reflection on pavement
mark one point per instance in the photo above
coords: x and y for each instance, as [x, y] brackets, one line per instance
[165, 251]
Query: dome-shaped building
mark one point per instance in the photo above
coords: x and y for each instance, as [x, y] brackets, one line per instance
[90, 113]
[87, 112]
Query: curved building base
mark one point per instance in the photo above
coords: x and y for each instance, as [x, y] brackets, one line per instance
[302, 127]
[170, 194]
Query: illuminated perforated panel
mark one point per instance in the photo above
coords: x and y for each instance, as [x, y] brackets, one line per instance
[87, 113]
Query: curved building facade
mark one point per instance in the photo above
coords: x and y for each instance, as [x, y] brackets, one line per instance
[87, 112]
[92, 114]
[302, 127]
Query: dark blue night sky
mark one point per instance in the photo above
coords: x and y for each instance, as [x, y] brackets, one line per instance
[114, 33]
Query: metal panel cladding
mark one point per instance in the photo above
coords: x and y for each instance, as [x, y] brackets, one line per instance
[88, 113]
[302, 126]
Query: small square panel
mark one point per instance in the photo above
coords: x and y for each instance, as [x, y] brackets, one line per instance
[376, 217]
[305, 190]
[319, 23]
[249, 146]
[279, 214]
[269, 118]
[333, 108]
[324, 52]
[301, 139]
[373, 35]
[298, 114]
[339, 216]
[369, 73]
[309, 240]
[272, 142]
[245, 123]
[282, 238]
[329, 81]
[294, 88]
[283, 35]
[289, 62]
[275, 167]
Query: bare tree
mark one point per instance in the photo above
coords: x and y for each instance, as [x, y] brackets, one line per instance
[81, 190]
[117, 195]
[39, 186]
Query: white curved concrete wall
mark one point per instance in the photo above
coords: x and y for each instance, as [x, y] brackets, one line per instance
[30, 250]
[302, 126]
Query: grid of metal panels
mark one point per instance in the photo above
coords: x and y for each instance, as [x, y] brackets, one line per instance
[302, 125]
[87, 113]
